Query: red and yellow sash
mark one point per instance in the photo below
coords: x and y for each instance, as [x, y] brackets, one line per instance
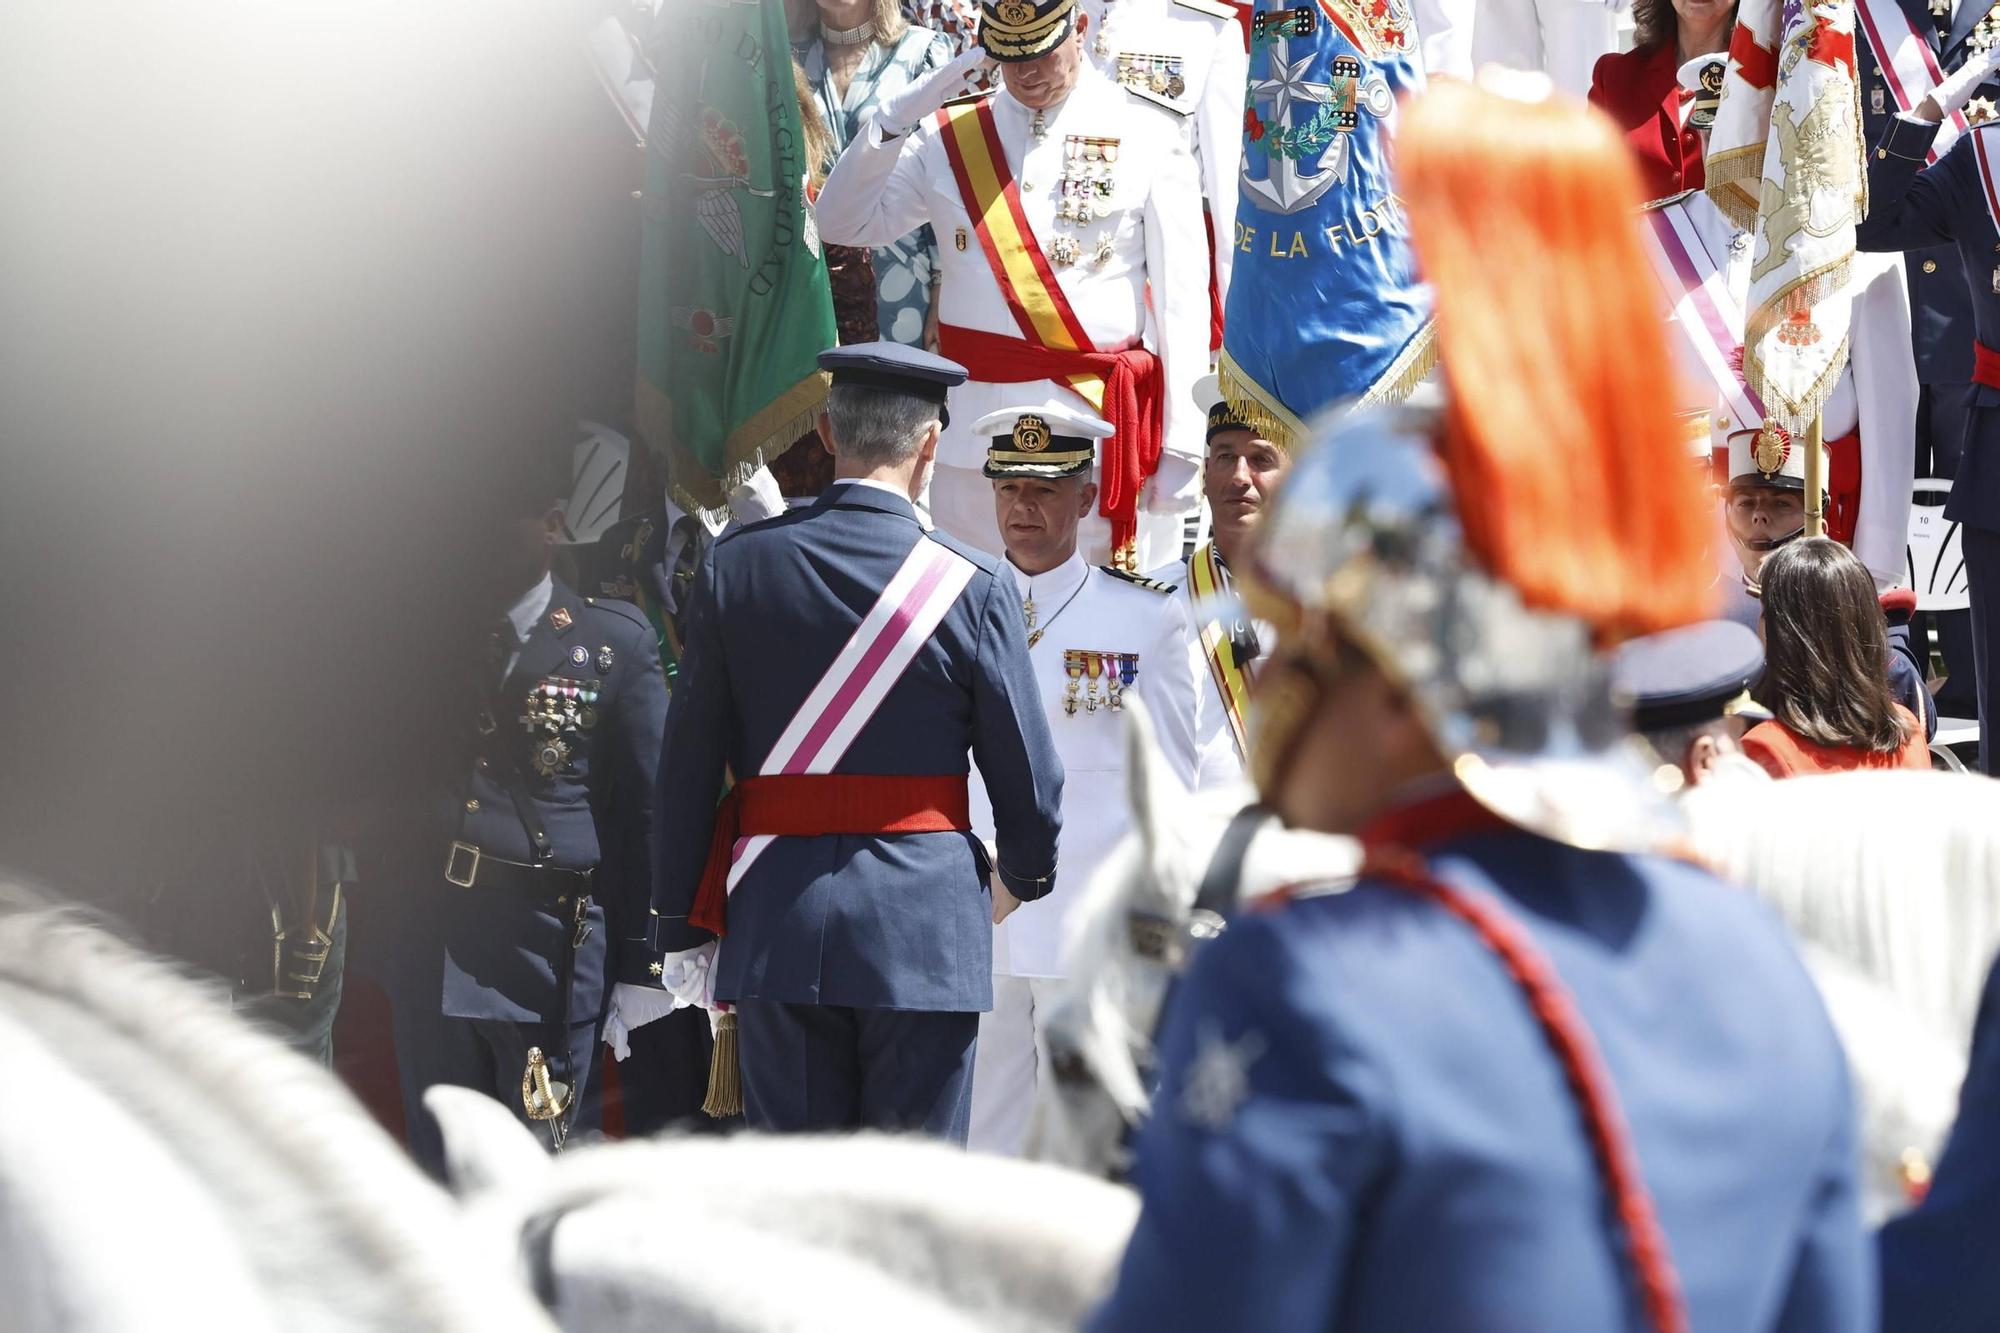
[1208, 580]
[972, 143]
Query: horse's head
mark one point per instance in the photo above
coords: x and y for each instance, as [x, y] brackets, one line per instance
[1127, 939]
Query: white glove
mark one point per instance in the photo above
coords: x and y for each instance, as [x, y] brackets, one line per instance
[689, 976]
[905, 109]
[756, 499]
[1174, 486]
[1954, 90]
[632, 1007]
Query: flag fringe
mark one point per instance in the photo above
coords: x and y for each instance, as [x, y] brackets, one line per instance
[1417, 359]
[1255, 408]
[1269, 418]
[774, 429]
[1725, 174]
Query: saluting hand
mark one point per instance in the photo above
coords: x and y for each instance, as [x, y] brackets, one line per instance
[906, 108]
[1954, 90]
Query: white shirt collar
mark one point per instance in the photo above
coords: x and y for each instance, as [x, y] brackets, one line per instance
[873, 484]
[1055, 584]
[528, 610]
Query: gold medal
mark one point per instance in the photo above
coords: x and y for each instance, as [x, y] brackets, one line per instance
[1073, 668]
[551, 757]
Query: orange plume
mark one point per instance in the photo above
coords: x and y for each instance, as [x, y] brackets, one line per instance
[1571, 471]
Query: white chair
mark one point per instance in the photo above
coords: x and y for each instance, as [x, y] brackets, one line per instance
[1936, 567]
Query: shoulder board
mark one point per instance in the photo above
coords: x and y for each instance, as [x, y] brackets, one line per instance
[1212, 8]
[967, 99]
[1160, 100]
[623, 610]
[1138, 580]
[1652, 205]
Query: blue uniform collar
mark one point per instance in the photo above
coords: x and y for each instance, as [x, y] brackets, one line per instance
[850, 494]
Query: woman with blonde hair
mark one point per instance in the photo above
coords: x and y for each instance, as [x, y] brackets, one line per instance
[852, 53]
[1520, 1070]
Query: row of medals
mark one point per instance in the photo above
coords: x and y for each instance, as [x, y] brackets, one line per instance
[557, 710]
[1084, 194]
[1097, 679]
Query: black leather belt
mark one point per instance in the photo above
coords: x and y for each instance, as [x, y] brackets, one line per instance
[468, 867]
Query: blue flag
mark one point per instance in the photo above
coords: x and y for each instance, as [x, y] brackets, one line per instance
[1324, 303]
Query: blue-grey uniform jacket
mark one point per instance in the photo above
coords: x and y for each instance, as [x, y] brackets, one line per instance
[1360, 1125]
[503, 950]
[894, 922]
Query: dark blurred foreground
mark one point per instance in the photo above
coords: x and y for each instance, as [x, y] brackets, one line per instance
[288, 317]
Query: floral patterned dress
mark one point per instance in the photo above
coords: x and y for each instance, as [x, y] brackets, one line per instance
[903, 269]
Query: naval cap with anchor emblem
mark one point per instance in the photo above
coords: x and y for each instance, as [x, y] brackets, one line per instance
[897, 369]
[1768, 455]
[1208, 396]
[1018, 30]
[1703, 77]
[1047, 441]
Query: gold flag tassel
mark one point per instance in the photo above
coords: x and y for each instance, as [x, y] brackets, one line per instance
[725, 1078]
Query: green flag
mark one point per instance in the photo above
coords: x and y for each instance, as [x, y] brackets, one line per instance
[734, 304]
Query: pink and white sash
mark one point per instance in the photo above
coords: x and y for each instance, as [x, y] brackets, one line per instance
[875, 657]
[1908, 65]
[1708, 313]
[1989, 186]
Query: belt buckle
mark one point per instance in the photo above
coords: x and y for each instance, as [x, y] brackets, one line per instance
[469, 855]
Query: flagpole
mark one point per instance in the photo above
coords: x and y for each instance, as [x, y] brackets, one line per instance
[1815, 478]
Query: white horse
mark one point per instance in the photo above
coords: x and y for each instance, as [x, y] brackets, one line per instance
[164, 1165]
[1891, 881]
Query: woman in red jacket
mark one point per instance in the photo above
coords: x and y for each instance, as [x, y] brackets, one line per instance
[1640, 88]
[1826, 654]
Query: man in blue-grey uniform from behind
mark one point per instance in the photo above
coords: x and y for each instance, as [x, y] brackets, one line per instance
[534, 874]
[1951, 202]
[839, 664]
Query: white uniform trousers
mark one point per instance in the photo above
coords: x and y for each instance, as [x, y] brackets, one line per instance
[1562, 38]
[1007, 1063]
[961, 503]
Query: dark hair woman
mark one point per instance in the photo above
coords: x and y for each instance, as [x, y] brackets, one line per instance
[1826, 652]
[1640, 88]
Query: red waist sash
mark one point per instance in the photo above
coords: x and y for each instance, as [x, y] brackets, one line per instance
[1985, 365]
[810, 805]
[1135, 393]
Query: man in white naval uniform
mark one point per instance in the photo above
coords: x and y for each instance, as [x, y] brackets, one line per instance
[1080, 280]
[1094, 636]
[1191, 57]
[1875, 398]
[1561, 38]
[1239, 476]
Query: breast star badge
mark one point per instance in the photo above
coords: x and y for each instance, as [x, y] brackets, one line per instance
[1218, 1079]
[1980, 110]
